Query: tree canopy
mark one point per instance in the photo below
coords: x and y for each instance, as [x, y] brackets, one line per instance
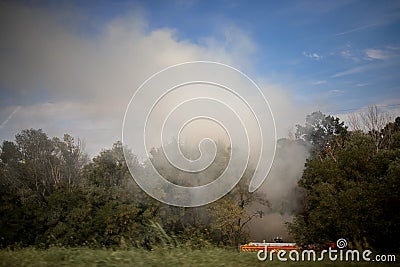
[351, 189]
[52, 194]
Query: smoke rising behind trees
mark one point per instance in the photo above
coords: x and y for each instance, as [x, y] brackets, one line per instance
[54, 195]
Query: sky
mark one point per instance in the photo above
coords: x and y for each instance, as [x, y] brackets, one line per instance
[72, 66]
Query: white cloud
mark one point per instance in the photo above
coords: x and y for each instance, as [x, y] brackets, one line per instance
[89, 78]
[348, 54]
[362, 84]
[67, 81]
[319, 82]
[336, 92]
[377, 54]
[314, 56]
[349, 71]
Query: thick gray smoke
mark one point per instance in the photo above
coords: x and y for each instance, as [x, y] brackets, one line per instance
[281, 190]
[62, 81]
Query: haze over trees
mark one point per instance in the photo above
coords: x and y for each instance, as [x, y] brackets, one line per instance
[52, 194]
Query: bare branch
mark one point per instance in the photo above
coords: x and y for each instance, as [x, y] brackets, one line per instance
[354, 122]
[372, 121]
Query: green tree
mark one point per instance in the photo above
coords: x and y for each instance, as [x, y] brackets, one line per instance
[122, 211]
[352, 194]
[71, 160]
[32, 169]
[232, 214]
[319, 131]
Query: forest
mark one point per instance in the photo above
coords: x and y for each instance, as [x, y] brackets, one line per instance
[52, 194]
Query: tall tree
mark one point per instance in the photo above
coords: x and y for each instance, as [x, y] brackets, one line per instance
[319, 130]
[372, 121]
[353, 194]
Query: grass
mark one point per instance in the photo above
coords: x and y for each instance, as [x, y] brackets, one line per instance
[57, 256]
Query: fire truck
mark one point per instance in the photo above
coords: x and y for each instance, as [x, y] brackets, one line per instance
[277, 245]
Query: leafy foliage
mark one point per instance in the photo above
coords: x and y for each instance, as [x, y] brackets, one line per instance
[319, 130]
[352, 191]
[51, 194]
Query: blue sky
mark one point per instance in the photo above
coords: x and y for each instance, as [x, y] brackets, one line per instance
[315, 46]
[348, 50]
[337, 56]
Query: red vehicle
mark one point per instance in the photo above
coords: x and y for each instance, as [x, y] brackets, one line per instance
[272, 246]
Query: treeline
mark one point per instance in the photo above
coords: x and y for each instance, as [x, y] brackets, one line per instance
[351, 182]
[51, 194]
